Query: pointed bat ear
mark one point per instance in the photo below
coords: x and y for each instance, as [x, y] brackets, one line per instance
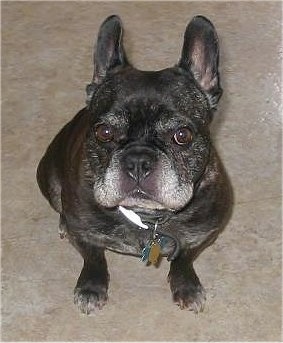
[108, 53]
[200, 56]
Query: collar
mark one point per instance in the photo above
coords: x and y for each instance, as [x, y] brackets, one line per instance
[153, 222]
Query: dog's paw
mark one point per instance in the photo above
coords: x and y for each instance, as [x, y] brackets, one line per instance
[188, 296]
[185, 298]
[90, 299]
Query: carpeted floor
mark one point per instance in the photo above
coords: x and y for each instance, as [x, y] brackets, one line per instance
[46, 64]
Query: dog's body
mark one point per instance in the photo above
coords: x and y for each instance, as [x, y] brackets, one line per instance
[142, 143]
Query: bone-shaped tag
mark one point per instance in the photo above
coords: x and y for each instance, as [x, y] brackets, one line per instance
[133, 217]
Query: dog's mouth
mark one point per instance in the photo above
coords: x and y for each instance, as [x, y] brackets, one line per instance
[140, 200]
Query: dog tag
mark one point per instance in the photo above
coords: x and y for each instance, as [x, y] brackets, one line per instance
[162, 242]
[133, 217]
[145, 253]
[154, 252]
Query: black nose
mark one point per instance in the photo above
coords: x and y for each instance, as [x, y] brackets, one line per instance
[139, 162]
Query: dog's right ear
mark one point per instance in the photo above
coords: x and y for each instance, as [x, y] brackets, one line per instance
[108, 52]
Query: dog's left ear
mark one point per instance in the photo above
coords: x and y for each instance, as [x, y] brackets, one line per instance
[200, 55]
[109, 52]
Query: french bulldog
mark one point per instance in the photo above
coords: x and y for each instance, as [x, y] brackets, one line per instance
[135, 170]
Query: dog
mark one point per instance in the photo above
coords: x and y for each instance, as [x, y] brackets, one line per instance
[135, 170]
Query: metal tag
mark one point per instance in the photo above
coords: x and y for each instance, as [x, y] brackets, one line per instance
[154, 252]
[145, 253]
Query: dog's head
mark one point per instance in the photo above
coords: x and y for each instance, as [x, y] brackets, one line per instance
[148, 143]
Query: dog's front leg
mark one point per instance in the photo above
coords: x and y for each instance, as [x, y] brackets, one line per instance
[90, 292]
[186, 288]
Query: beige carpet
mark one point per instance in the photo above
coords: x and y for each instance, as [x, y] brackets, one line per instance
[46, 63]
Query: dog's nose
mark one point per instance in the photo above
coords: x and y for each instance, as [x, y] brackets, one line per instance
[138, 163]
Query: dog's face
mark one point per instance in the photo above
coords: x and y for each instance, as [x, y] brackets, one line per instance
[148, 143]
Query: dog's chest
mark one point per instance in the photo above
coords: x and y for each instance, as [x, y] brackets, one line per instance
[126, 239]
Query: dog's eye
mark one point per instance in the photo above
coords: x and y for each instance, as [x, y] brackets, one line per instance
[104, 133]
[183, 136]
